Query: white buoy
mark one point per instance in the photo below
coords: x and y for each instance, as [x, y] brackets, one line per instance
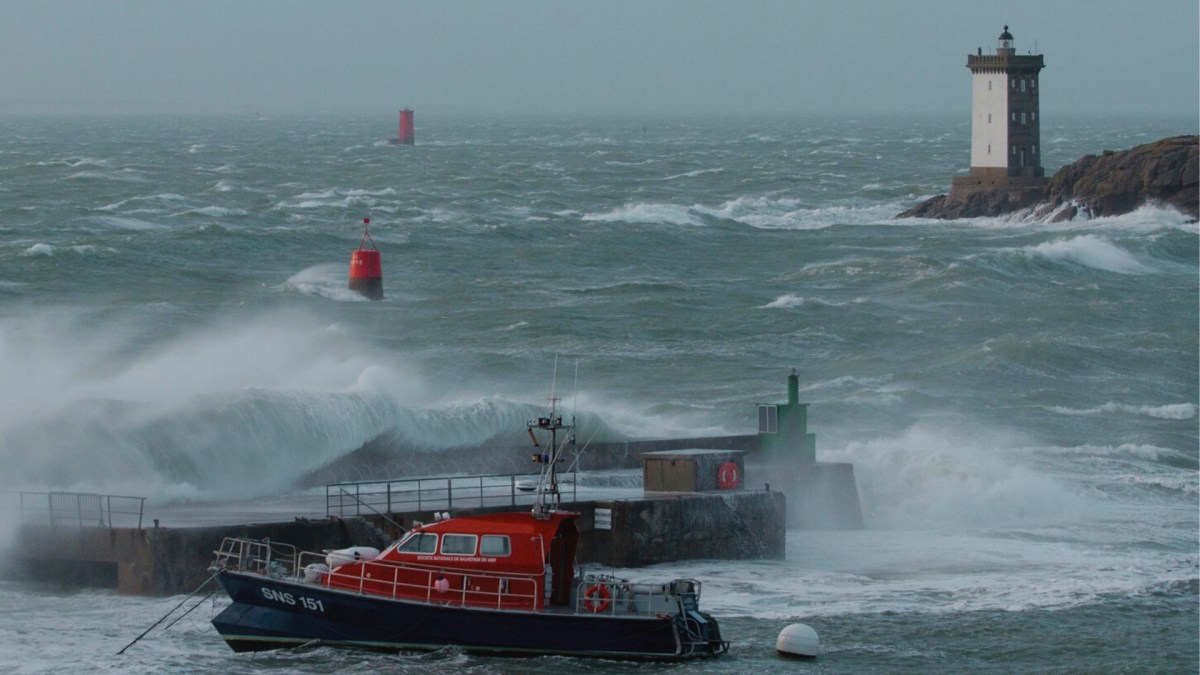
[798, 640]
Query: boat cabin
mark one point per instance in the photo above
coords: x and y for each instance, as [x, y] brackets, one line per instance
[501, 560]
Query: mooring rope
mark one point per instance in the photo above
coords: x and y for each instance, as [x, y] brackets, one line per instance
[172, 610]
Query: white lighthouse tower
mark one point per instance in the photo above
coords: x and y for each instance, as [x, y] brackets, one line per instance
[1005, 124]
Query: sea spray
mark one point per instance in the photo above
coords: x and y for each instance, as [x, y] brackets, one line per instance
[954, 474]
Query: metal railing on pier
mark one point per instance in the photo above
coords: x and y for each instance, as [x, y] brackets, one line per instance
[80, 509]
[435, 493]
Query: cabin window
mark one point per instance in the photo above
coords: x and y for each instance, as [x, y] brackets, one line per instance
[458, 544]
[495, 544]
[421, 542]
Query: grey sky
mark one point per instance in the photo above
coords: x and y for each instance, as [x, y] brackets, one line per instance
[636, 56]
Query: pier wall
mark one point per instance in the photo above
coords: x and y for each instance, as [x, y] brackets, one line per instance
[159, 561]
[666, 527]
[631, 533]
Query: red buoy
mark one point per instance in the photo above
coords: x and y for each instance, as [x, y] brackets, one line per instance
[366, 271]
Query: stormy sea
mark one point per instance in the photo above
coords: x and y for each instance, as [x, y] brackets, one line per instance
[1018, 397]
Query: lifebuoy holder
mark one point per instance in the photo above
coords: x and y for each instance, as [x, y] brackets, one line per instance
[728, 476]
[597, 598]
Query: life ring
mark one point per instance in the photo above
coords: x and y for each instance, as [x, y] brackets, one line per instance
[727, 476]
[597, 598]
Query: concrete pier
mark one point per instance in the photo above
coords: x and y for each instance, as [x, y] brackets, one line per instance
[659, 528]
[158, 561]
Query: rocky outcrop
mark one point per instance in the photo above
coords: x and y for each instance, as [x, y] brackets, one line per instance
[1166, 173]
[978, 201]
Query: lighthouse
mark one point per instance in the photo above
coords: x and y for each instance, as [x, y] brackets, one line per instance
[1006, 150]
[1006, 173]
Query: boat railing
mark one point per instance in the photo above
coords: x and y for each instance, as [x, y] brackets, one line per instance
[380, 578]
[435, 493]
[257, 556]
[610, 595]
[80, 509]
[399, 580]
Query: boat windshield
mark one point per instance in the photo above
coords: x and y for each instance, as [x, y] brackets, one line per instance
[418, 542]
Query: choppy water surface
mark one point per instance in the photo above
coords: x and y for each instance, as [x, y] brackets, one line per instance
[1019, 398]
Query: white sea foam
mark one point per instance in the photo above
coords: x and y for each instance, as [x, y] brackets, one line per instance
[218, 211]
[1173, 411]
[669, 214]
[1090, 251]
[692, 174]
[1139, 451]
[930, 570]
[126, 223]
[39, 250]
[1185, 483]
[787, 301]
[327, 280]
[86, 161]
[1145, 219]
[939, 475]
[758, 212]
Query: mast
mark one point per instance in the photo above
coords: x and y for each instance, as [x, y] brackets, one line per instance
[548, 457]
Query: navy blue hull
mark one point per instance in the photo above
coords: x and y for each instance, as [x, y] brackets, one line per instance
[269, 613]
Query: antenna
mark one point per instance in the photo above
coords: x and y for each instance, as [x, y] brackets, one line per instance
[575, 404]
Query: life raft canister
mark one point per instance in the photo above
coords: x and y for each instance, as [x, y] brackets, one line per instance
[728, 476]
[597, 598]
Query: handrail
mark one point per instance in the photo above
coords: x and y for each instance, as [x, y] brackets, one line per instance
[434, 493]
[513, 590]
[80, 509]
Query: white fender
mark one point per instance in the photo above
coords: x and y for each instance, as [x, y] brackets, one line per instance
[352, 554]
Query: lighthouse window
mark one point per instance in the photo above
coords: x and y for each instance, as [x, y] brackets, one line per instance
[768, 419]
[495, 544]
[458, 544]
[421, 542]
